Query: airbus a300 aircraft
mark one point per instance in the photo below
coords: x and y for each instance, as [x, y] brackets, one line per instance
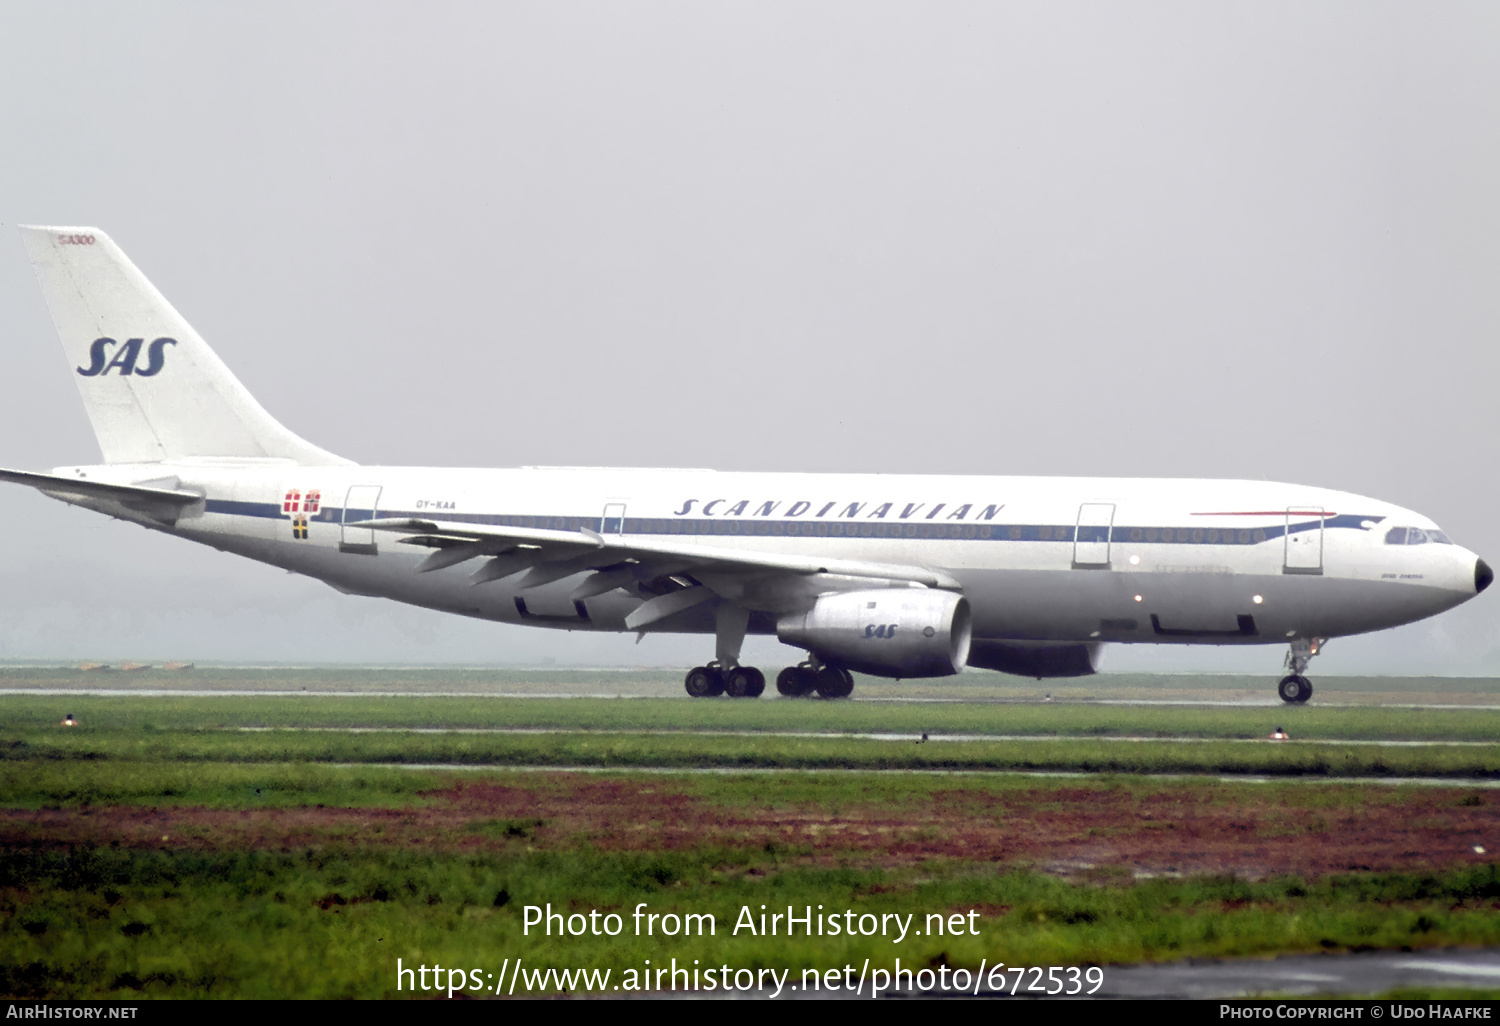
[894, 575]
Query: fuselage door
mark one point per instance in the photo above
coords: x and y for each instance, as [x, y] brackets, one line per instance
[360, 504]
[1304, 540]
[613, 521]
[1091, 538]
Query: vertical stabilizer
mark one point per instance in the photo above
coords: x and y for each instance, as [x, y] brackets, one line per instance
[152, 387]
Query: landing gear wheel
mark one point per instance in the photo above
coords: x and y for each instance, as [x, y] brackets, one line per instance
[704, 682]
[795, 682]
[1295, 689]
[835, 682]
[744, 682]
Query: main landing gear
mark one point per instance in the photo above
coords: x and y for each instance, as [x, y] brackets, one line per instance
[828, 681]
[712, 680]
[747, 682]
[725, 675]
[1295, 688]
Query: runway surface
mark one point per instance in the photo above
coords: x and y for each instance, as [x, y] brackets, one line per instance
[1270, 703]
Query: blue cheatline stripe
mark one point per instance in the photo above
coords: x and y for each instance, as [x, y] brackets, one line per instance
[229, 507]
[757, 526]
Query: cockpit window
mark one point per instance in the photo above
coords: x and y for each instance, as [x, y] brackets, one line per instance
[1416, 536]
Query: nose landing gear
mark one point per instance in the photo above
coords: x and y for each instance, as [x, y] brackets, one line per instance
[1295, 688]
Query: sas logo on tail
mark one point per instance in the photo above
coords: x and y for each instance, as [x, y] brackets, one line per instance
[126, 356]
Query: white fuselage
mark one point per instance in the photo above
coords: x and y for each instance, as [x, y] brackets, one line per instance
[1039, 559]
[897, 575]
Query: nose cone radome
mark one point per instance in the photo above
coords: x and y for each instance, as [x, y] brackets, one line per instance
[1483, 575]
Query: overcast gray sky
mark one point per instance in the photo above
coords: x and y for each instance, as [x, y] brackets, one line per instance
[1151, 239]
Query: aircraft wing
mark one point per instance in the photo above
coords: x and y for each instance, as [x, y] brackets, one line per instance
[617, 561]
[164, 504]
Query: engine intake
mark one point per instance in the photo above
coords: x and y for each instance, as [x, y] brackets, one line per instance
[893, 632]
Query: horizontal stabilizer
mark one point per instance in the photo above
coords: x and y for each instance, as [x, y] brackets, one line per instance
[163, 504]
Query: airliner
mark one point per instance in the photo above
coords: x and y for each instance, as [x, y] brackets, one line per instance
[894, 575]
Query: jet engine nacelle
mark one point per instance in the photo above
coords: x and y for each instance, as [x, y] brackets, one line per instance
[893, 632]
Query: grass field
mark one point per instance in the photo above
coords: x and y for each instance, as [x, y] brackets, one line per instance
[193, 712]
[475, 731]
[265, 845]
